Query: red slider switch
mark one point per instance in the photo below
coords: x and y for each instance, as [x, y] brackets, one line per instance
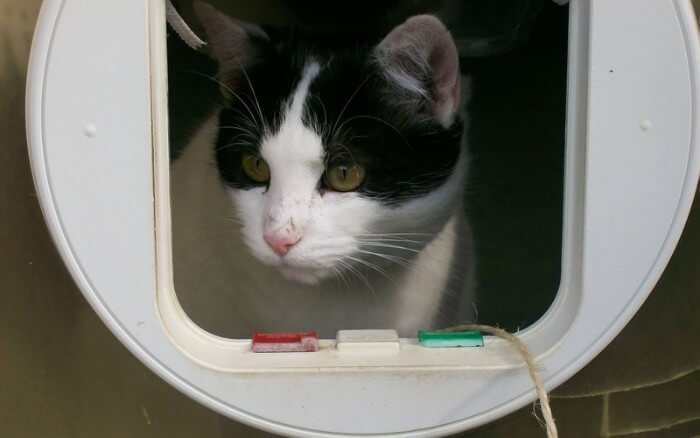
[284, 342]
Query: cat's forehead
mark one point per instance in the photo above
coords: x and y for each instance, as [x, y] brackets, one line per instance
[324, 86]
[310, 93]
[293, 141]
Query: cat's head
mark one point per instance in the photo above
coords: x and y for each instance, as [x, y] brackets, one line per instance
[338, 154]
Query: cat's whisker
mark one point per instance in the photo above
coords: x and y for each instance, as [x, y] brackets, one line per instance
[401, 243]
[358, 274]
[244, 138]
[323, 107]
[372, 266]
[354, 271]
[395, 234]
[337, 274]
[352, 96]
[243, 135]
[252, 89]
[332, 244]
[231, 145]
[380, 120]
[239, 128]
[382, 245]
[245, 119]
[391, 240]
[228, 89]
[398, 260]
[235, 221]
[411, 242]
[340, 276]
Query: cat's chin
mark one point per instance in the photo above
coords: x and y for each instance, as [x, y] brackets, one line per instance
[308, 276]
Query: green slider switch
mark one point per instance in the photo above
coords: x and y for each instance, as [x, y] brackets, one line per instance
[450, 339]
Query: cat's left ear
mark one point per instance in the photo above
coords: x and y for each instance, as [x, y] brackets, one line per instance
[233, 43]
[420, 58]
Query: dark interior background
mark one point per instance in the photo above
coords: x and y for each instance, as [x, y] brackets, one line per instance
[515, 192]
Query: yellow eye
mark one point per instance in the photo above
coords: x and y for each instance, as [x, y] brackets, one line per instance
[345, 177]
[255, 168]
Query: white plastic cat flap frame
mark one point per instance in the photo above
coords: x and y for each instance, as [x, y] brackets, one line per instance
[97, 129]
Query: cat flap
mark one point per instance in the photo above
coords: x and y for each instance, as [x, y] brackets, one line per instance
[421, 58]
[611, 257]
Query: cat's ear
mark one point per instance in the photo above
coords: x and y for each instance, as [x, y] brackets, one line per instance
[420, 59]
[233, 43]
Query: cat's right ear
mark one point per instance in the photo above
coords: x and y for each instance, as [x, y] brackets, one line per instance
[232, 43]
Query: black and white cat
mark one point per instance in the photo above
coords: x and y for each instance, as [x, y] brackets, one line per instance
[336, 197]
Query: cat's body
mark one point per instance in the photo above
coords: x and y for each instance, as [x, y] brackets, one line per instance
[338, 201]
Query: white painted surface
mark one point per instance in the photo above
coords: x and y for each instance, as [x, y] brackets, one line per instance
[631, 170]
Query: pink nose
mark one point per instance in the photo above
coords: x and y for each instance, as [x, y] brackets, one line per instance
[281, 244]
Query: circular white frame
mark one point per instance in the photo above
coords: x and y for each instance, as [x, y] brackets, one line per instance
[98, 146]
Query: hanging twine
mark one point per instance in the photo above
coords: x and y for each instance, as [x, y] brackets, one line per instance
[529, 360]
[181, 28]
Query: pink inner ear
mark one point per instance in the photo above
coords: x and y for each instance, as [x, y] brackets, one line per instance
[426, 42]
[444, 62]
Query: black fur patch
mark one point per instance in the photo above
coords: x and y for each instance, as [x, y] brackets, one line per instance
[350, 104]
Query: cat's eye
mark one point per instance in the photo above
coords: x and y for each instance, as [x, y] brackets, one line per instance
[255, 168]
[345, 177]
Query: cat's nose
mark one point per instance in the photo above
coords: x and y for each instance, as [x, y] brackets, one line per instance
[281, 243]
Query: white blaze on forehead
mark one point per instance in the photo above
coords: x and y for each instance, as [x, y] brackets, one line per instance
[295, 156]
[296, 109]
[294, 143]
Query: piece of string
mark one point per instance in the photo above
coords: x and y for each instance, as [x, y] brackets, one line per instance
[550, 426]
[181, 28]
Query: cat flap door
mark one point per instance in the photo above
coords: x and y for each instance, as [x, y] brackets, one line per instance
[97, 131]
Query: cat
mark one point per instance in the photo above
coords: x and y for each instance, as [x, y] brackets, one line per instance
[327, 191]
